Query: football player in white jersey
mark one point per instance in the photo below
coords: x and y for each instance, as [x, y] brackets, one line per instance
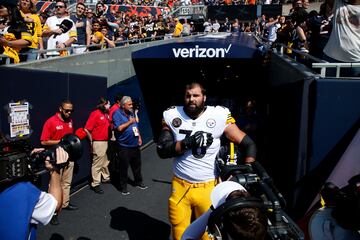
[191, 134]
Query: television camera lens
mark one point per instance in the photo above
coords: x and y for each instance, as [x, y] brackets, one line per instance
[70, 143]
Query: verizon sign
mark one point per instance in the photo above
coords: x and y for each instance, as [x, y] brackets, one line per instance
[198, 52]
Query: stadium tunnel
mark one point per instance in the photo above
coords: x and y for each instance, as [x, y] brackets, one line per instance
[231, 67]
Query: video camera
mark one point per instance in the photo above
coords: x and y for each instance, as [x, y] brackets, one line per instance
[260, 185]
[345, 202]
[16, 159]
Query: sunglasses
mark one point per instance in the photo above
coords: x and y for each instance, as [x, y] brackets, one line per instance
[68, 110]
[58, 6]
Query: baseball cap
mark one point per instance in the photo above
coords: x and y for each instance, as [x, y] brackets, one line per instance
[9, 2]
[222, 191]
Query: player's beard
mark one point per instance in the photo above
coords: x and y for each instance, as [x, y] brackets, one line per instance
[194, 111]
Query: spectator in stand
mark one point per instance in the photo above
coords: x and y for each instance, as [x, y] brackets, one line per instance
[97, 130]
[96, 41]
[43, 17]
[283, 32]
[56, 37]
[89, 17]
[207, 26]
[344, 43]
[160, 28]
[262, 23]
[83, 28]
[185, 2]
[272, 26]
[235, 27]
[320, 27]
[170, 27]
[108, 42]
[54, 129]
[178, 28]
[186, 28]
[2, 26]
[215, 26]
[28, 11]
[299, 17]
[18, 35]
[149, 24]
[105, 18]
[226, 26]
[95, 26]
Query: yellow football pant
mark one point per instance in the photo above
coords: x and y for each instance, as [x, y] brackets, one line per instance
[188, 200]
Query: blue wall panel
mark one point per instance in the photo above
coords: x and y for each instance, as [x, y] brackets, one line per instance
[336, 108]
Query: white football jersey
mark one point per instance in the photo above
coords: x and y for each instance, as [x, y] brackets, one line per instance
[197, 165]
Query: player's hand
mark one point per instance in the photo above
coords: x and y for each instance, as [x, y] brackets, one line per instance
[209, 139]
[199, 139]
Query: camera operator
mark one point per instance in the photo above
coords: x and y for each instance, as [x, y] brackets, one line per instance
[242, 222]
[23, 206]
[339, 218]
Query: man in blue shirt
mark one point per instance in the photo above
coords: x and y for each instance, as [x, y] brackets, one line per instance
[128, 141]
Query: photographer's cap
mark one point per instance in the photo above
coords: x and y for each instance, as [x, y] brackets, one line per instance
[11, 3]
[222, 190]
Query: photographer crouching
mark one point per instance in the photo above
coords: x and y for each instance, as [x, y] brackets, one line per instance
[23, 205]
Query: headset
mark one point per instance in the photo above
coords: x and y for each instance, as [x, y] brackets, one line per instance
[216, 228]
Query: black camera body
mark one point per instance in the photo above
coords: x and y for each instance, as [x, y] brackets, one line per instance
[259, 184]
[16, 160]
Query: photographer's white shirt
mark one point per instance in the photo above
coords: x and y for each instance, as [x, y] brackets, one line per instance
[44, 209]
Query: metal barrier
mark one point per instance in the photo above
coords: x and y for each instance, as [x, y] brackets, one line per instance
[7, 61]
[42, 53]
[324, 65]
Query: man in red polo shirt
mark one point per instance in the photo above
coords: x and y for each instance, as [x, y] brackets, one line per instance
[97, 129]
[54, 129]
[116, 104]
